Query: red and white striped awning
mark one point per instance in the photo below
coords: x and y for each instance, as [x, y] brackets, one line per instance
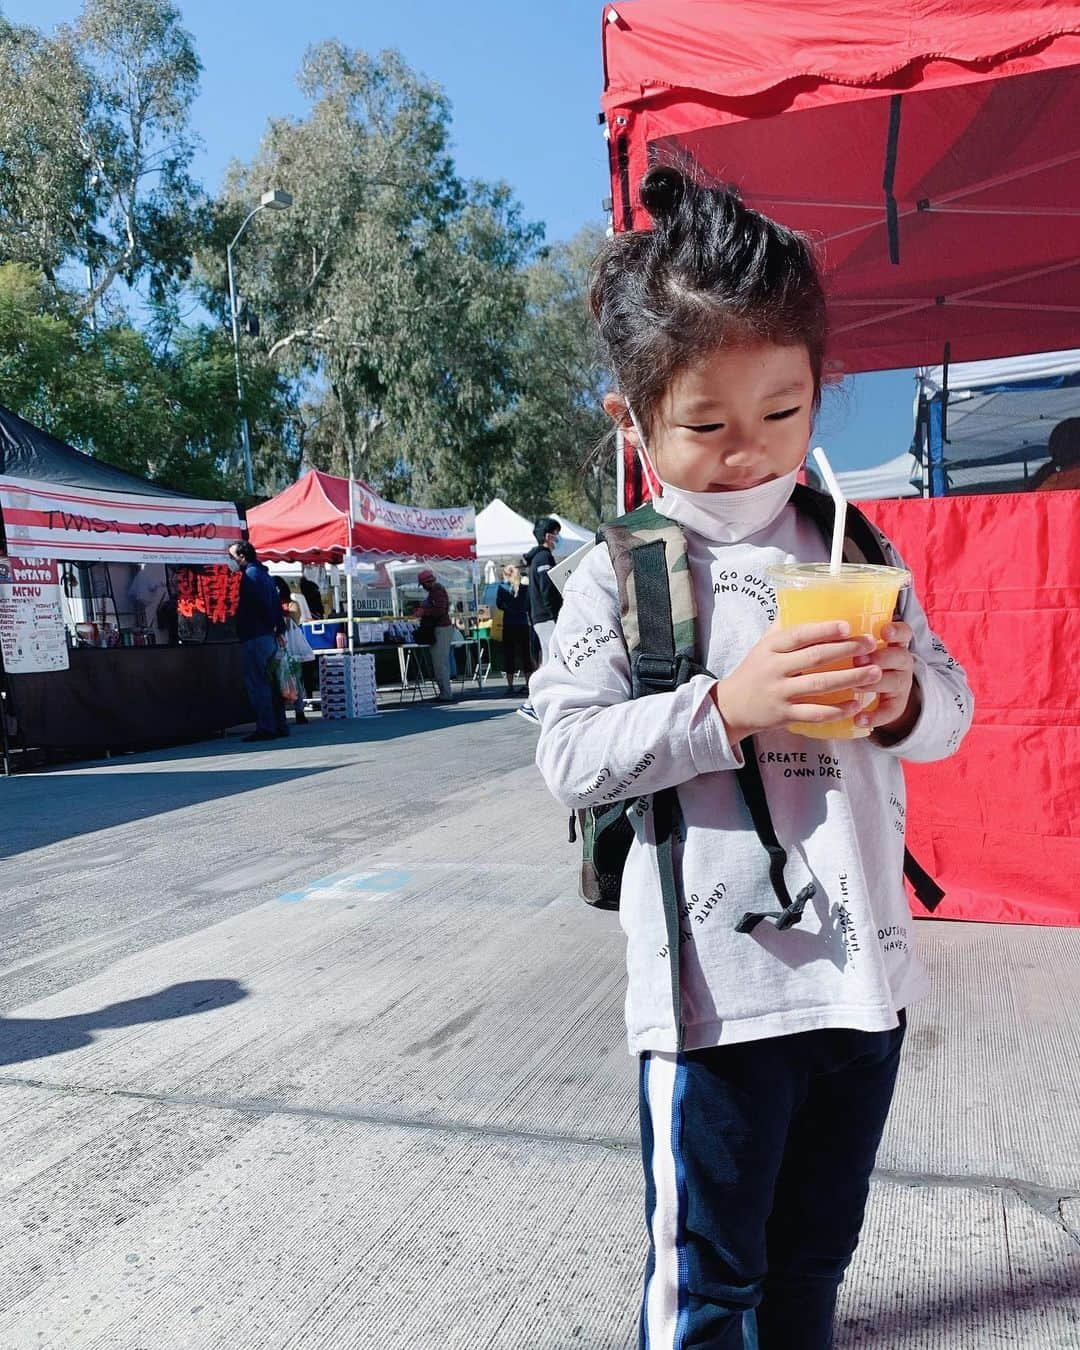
[52, 520]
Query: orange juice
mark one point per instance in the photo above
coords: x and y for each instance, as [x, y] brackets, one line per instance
[862, 594]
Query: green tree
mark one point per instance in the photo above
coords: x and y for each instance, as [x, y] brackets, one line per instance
[46, 203]
[391, 290]
[138, 143]
[554, 432]
[167, 415]
[95, 147]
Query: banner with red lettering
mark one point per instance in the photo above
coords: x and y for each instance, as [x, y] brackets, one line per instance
[412, 531]
[51, 520]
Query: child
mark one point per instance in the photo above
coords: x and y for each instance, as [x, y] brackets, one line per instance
[763, 1103]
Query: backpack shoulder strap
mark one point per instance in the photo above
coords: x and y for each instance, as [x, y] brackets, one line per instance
[656, 599]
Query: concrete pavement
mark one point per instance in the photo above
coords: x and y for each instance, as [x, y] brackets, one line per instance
[313, 1045]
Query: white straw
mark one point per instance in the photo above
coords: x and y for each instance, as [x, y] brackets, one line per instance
[837, 557]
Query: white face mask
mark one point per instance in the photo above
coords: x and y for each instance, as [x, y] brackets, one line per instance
[721, 517]
[232, 564]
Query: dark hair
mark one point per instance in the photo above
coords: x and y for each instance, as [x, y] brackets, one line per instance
[1063, 447]
[544, 526]
[711, 271]
[284, 593]
[246, 551]
[1064, 442]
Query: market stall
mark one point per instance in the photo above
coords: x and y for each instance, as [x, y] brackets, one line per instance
[931, 152]
[318, 519]
[91, 553]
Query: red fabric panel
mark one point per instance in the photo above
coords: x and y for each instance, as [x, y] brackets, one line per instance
[745, 48]
[998, 824]
[986, 185]
[300, 523]
[639, 481]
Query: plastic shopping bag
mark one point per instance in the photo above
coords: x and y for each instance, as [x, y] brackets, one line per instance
[297, 645]
[282, 674]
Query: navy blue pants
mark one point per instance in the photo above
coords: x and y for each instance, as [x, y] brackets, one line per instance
[757, 1168]
[265, 703]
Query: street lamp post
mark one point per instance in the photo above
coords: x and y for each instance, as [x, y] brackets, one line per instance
[274, 200]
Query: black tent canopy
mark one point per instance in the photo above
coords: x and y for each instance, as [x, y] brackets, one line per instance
[28, 452]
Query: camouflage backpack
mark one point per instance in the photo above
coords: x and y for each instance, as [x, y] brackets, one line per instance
[659, 623]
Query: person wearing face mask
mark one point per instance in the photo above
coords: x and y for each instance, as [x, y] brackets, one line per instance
[260, 627]
[767, 1052]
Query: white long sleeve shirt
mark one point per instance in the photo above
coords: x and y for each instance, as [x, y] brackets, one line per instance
[837, 806]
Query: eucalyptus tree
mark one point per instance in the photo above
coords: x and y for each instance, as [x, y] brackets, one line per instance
[96, 148]
[392, 289]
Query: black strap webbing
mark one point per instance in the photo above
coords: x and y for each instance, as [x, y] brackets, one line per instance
[655, 670]
[664, 807]
[753, 791]
[892, 145]
[822, 511]
[922, 883]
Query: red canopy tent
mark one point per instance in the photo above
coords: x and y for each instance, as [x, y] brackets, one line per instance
[933, 152]
[933, 149]
[309, 522]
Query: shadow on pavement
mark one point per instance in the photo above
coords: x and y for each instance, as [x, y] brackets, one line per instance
[974, 1316]
[25, 1038]
[42, 808]
[79, 804]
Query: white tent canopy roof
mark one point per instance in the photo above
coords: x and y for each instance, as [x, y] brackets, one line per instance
[1006, 407]
[502, 533]
[967, 377]
[571, 536]
[890, 479]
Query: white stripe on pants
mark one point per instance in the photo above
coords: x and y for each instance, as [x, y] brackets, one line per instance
[544, 633]
[664, 1329]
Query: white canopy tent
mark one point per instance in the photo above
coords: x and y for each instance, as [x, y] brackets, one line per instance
[571, 536]
[891, 479]
[1000, 414]
[502, 533]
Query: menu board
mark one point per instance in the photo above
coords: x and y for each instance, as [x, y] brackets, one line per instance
[32, 634]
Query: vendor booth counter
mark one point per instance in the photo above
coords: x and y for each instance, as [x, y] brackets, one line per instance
[131, 696]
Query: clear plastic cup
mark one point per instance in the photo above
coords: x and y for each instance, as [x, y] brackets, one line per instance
[863, 594]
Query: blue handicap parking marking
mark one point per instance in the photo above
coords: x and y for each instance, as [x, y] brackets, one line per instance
[382, 881]
[323, 884]
[352, 881]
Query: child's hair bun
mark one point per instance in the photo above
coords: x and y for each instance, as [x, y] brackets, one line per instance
[662, 190]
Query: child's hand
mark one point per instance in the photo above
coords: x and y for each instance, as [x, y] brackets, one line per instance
[780, 677]
[899, 701]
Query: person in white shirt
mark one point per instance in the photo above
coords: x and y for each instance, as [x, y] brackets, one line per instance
[765, 1081]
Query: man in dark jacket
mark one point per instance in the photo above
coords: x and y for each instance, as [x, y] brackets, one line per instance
[545, 601]
[260, 626]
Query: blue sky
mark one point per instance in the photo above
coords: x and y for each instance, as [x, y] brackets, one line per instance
[524, 80]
